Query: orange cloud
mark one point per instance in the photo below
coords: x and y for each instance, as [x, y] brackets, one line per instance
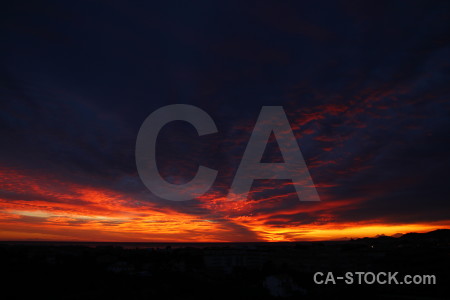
[41, 207]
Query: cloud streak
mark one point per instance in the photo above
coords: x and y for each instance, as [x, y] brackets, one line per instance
[365, 91]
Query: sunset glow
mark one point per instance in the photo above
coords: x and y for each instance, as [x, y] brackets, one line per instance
[361, 89]
[45, 208]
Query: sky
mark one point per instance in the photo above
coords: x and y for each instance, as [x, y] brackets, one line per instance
[364, 84]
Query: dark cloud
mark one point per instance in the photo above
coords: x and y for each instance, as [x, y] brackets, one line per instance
[364, 85]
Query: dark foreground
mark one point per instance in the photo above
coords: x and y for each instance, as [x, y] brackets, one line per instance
[233, 271]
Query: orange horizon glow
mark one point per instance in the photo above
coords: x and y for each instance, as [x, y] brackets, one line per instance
[45, 208]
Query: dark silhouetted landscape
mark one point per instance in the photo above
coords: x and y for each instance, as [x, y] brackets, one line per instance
[68, 270]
